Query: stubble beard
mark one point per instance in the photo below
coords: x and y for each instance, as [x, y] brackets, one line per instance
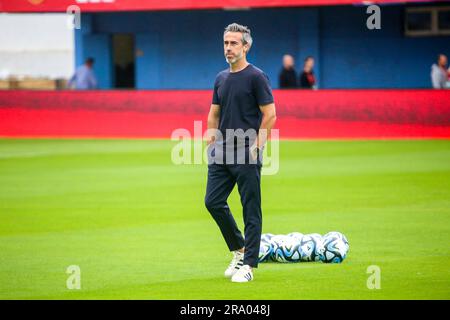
[234, 60]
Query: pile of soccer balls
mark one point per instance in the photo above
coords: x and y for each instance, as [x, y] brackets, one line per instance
[296, 247]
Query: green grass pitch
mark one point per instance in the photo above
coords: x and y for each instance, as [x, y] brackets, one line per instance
[137, 227]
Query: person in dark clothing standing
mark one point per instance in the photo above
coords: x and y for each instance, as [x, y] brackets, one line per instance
[307, 79]
[242, 104]
[288, 75]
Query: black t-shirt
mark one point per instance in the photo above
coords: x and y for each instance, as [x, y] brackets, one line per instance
[239, 95]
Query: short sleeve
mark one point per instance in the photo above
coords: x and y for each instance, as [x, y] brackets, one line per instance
[215, 97]
[262, 90]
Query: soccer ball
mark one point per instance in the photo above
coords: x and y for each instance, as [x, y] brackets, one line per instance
[266, 237]
[265, 251]
[311, 247]
[280, 243]
[277, 242]
[296, 235]
[336, 234]
[316, 236]
[287, 250]
[335, 247]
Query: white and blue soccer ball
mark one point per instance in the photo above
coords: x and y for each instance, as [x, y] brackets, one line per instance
[336, 234]
[287, 250]
[277, 242]
[266, 237]
[265, 250]
[335, 247]
[316, 236]
[296, 235]
[311, 247]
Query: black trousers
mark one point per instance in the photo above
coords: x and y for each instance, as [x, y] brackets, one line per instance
[221, 180]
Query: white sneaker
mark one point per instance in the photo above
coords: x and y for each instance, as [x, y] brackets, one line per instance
[244, 274]
[235, 264]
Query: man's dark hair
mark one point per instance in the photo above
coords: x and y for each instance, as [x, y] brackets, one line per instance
[90, 60]
[308, 57]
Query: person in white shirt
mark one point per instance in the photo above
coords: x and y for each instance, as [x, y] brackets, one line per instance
[439, 72]
[84, 78]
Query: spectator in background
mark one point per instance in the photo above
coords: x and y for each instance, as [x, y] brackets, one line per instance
[84, 77]
[439, 73]
[288, 75]
[307, 79]
[447, 85]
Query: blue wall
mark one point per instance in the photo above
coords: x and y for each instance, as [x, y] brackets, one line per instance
[183, 49]
[353, 56]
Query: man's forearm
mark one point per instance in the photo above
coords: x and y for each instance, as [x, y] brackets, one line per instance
[267, 123]
[213, 124]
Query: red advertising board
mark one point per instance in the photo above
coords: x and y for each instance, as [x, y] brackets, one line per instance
[141, 5]
[323, 114]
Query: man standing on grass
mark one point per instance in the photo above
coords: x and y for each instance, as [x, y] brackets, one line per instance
[241, 116]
